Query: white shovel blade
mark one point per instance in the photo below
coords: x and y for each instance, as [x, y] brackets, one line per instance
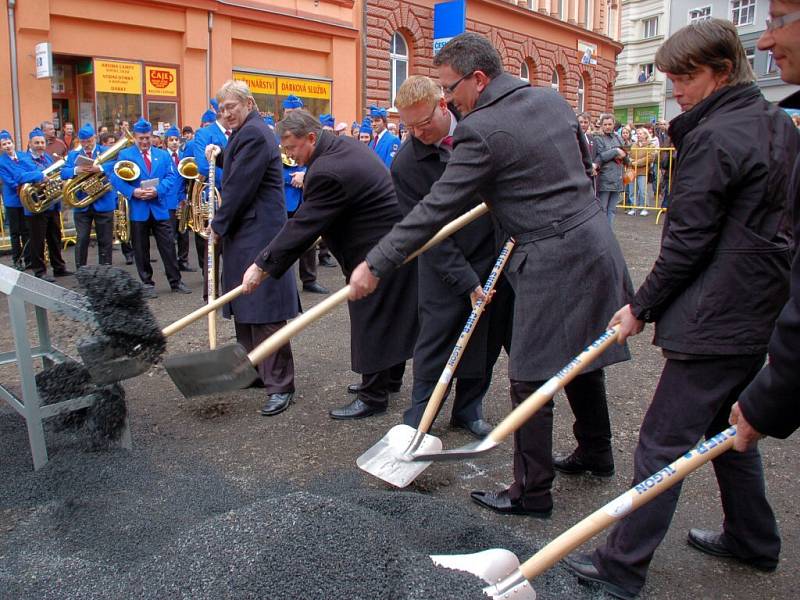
[497, 566]
[390, 458]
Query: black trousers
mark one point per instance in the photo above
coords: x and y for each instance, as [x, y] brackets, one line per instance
[375, 387]
[181, 239]
[18, 232]
[103, 228]
[693, 399]
[308, 265]
[277, 370]
[140, 238]
[533, 442]
[323, 250]
[45, 228]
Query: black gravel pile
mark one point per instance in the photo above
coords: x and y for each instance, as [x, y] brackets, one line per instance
[123, 317]
[62, 381]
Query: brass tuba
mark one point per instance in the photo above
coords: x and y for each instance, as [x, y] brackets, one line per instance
[38, 197]
[122, 222]
[127, 170]
[94, 185]
[193, 212]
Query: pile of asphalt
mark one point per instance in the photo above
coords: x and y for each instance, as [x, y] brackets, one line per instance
[121, 525]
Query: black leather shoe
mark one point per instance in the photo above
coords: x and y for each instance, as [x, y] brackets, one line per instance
[479, 428]
[326, 261]
[128, 261]
[356, 410]
[354, 388]
[711, 543]
[19, 265]
[582, 566]
[501, 502]
[45, 277]
[187, 269]
[181, 288]
[315, 288]
[572, 465]
[63, 273]
[277, 403]
[149, 291]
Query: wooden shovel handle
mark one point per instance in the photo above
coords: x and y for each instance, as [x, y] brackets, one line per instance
[288, 331]
[184, 322]
[626, 503]
[540, 397]
[435, 401]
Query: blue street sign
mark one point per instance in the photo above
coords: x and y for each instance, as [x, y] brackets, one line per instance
[449, 19]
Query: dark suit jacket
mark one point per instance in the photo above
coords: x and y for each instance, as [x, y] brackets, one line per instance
[251, 214]
[348, 199]
[522, 151]
[447, 273]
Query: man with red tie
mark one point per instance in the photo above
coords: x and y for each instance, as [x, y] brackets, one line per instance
[174, 139]
[15, 217]
[147, 198]
[385, 143]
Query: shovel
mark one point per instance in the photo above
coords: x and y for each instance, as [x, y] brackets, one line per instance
[389, 458]
[108, 363]
[231, 367]
[527, 409]
[508, 579]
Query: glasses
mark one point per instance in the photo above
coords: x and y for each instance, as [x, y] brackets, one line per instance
[778, 22]
[425, 123]
[449, 89]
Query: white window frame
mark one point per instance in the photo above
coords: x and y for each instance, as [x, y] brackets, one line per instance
[524, 71]
[750, 53]
[581, 95]
[696, 18]
[743, 4]
[646, 35]
[645, 67]
[396, 58]
[555, 81]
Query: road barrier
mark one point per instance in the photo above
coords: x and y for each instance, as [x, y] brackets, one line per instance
[649, 192]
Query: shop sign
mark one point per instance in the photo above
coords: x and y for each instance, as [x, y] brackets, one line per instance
[304, 88]
[161, 81]
[117, 77]
[621, 115]
[645, 114]
[44, 60]
[258, 84]
[449, 20]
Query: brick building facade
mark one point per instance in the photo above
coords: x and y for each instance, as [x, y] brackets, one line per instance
[537, 41]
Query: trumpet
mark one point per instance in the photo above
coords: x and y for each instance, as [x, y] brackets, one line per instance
[94, 185]
[38, 197]
[127, 170]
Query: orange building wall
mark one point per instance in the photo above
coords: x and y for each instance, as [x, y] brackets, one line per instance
[298, 37]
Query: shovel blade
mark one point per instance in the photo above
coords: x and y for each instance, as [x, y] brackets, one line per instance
[107, 363]
[390, 458]
[223, 369]
[497, 567]
[460, 453]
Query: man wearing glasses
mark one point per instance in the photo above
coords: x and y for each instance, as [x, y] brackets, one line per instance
[521, 150]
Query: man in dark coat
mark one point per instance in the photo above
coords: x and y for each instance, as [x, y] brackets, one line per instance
[348, 199]
[450, 272]
[608, 157]
[770, 405]
[251, 214]
[520, 149]
[715, 290]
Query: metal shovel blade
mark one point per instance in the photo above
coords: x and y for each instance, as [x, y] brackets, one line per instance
[468, 451]
[390, 458]
[223, 369]
[107, 363]
[497, 567]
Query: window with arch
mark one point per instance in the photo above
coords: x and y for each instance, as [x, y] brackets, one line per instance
[581, 94]
[555, 81]
[524, 72]
[398, 58]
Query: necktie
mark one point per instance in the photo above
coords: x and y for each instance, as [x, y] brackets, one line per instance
[15, 159]
[175, 158]
[447, 142]
[227, 133]
[146, 159]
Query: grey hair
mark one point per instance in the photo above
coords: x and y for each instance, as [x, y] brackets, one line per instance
[237, 89]
[43, 123]
[299, 123]
[605, 116]
[470, 52]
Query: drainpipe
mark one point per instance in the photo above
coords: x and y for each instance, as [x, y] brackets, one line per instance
[208, 55]
[12, 36]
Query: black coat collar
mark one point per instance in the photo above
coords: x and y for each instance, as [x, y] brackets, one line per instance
[792, 101]
[498, 88]
[324, 141]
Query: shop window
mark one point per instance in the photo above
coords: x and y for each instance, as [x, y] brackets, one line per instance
[162, 114]
[581, 94]
[743, 12]
[398, 57]
[699, 14]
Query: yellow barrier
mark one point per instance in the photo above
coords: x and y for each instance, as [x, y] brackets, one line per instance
[652, 162]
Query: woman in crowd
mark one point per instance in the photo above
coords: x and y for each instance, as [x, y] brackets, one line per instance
[642, 157]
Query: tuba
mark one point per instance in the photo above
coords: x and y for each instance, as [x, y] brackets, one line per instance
[38, 197]
[194, 211]
[187, 168]
[127, 170]
[122, 222]
[94, 185]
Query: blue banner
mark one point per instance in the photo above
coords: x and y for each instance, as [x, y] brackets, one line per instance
[449, 19]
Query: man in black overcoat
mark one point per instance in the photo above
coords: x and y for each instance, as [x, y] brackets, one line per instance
[252, 212]
[450, 272]
[520, 149]
[348, 199]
